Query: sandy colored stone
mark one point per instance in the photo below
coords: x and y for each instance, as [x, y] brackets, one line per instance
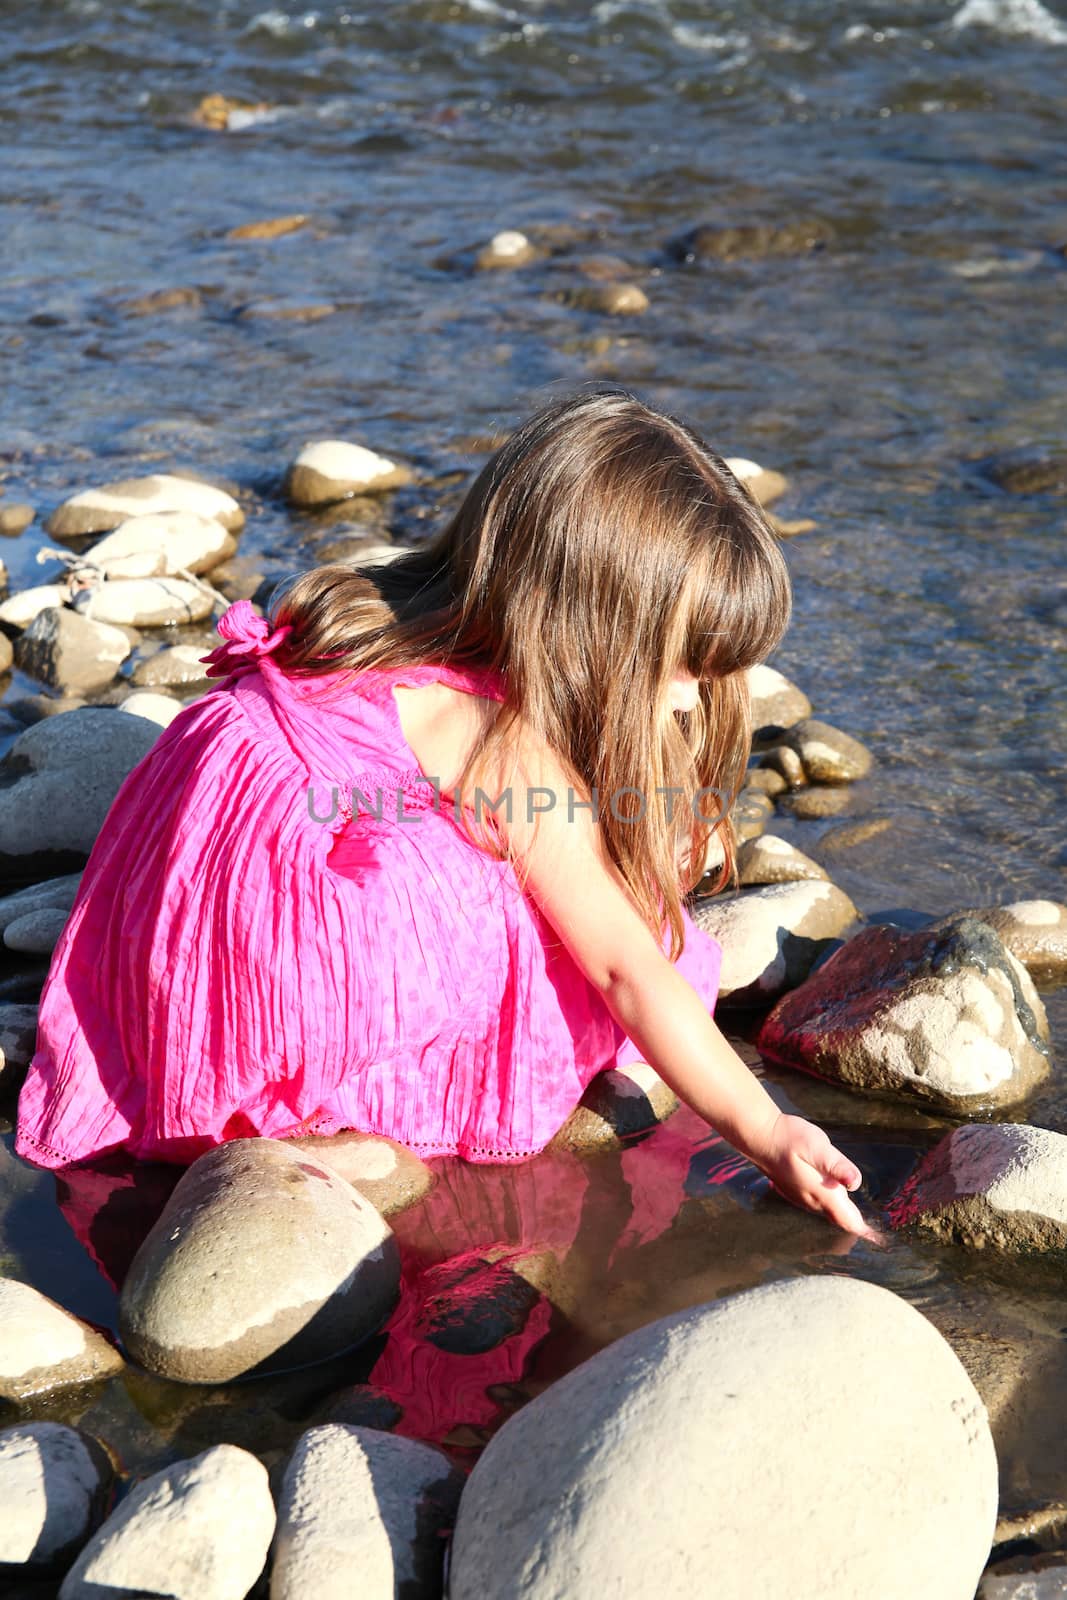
[821, 800]
[609, 299]
[197, 1530]
[100, 510]
[158, 708]
[385, 1172]
[162, 545]
[998, 1186]
[765, 780]
[508, 248]
[646, 1470]
[146, 602]
[616, 1105]
[159, 301]
[827, 754]
[762, 483]
[333, 469]
[19, 610]
[69, 651]
[15, 519]
[776, 702]
[772, 937]
[1035, 931]
[54, 1484]
[174, 667]
[768, 859]
[42, 1347]
[945, 1016]
[263, 1259]
[783, 760]
[269, 228]
[363, 1513]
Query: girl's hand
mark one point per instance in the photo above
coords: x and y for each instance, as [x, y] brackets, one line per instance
[806, 1169]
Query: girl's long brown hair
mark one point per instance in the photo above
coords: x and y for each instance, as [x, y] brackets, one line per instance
[602, 549]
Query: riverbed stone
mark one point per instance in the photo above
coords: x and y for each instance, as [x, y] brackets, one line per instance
[1029, 470]
[609, 299]
[784, 761]
[751, 812]
[263, 1260]
[766, 781]
[162, 545]
[145, 602]
[18, 1040]
[19, 609]
[772, 937]
[474, 1302]
[509, 248]
[998, 1186]
[821, 800]
[269, 227]
[15, 519]
[768, 859]
[333, 469]
[776, 701]
[1035, 931]
[385, 1172]
[7, 654]
[197, 1530]
[362, 1512]
[763, 483]
[174, 667]
[944, 1016]
[827, 754]
[100, 510]
[42, 1347]
[712, 242]
[646, 1470]
[617, 1104]
[158, 708]
[54, 896]
[70, 652]
[54, 1485]
[57, 784]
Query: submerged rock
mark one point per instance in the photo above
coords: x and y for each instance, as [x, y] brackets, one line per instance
[1030, 1577]
[610, 299]
[946, 1016]
[1029, 471]
[506, 249]
[197, 1530]
[363, 1513]
[175, 667]
[68, 651]
[99, 510]
[1035, 931]
[262, 1260]
[42, 1347]
[754, 239]
[335, 470]
[474, 1303]
[999, 1185]
[823, 800]
[646, 1471]
[54, 1484]
[771, 938]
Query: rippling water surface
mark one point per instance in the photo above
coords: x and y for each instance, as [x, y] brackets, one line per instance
[881, 372]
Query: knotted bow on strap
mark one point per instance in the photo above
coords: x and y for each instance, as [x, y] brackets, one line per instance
[247, 637]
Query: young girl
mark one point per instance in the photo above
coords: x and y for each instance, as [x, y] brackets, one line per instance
[417, 865]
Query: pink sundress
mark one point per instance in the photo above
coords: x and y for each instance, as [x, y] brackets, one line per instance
[247, 957]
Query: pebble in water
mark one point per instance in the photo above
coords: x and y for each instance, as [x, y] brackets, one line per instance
[332, 469]
[506, 249]
[100, 510]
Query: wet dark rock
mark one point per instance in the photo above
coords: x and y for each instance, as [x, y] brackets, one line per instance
[946, 1017]
[18, 1040]
[473, 1304]
[609, 299]
[1035, 931]
[1029, 471]
[752, 240]
[1032, 1577]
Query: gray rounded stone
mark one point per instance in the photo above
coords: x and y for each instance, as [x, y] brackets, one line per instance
[810, 1437]
[827, 754]
[363, 1513]
[776, 702]
[616, 1105]
[198, 1530]
[146, 602]
[768, 859]
[162, 545]
[998, 1185]
[42, 1347]
[945, 1016]
[173, 667]
[385, 1172]
[54, 1483]
[772, 937]
[262, 1260]
[18, 1040]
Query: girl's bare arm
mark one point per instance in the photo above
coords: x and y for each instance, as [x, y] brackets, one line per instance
[584, 898]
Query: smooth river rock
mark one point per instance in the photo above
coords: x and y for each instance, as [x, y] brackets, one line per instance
[946, 1016]
[768, 859]
[57, 784]
[509, 248]
[69, 651]
[158, 708]
[1035, 931]
[18, 1040]
[32, 919]
[100, 510]
[148, 547]
[42, 1347]
[617, 1104]
[333, 470]
[363, 1513]
[776, 702]
[811, 1437]
[262, 1260]
[762, 483]
[385, 1172]
[145, 602]
[19, 609]
[54, 1485]
[826, 754]
[995, 1185]
[772, 937]
[198, 1530]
